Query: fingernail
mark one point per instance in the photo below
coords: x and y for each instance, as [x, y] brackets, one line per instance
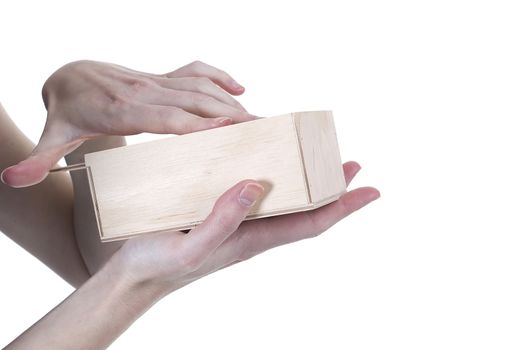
[236, 85]
[2, 177]
[250, 193]
[223, 121]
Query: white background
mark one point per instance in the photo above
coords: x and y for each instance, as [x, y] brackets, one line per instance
[428, 96]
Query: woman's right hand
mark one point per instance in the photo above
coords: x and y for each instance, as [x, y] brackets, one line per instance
[168, 261]
[86, 99]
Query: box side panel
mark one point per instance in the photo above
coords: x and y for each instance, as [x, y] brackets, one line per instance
[94, 201]
[174, 182]
[187, 226]
[321, 157]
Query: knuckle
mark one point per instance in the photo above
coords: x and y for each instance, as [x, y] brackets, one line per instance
[117, 103]
[223, 74]
[139, 85]
[197, 64]
[117, 108]
[203, 81]
[198, 67]
[223, 222]
[180, 125]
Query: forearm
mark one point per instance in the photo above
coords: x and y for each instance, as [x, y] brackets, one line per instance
[94, 252]
[94, 315]
[39, 218]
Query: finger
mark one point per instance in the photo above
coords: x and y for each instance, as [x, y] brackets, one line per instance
[227, 214]
[201, 69]
[200, 85]
[35, 168]
[350, 169]
[257, 236]
[260, 235]
[325, 217]
[169, 120]
[197, 103]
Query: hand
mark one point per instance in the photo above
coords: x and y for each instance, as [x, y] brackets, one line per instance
[87, 99]
[168, 261]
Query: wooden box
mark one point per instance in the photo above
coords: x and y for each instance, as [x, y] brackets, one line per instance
[173, 183]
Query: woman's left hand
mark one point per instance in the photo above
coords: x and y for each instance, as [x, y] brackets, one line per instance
[169, 260]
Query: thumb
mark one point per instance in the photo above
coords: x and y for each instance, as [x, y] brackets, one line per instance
[226, 216]
[35, 168]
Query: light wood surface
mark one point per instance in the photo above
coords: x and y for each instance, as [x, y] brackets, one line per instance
[173, 183]
[320, 153]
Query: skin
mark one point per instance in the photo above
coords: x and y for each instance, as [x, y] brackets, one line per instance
[94, 252]
[87, 99]
[148, 268]
[48, 232]
[127, 278]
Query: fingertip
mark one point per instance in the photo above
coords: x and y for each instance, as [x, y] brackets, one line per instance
[352, 165]
[350, 170]
[367, 194]
[24, 175]
[373, 193]
[222, 121]
[236, 88]
[358, 198]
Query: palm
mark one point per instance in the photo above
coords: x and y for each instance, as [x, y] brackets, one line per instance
[167, 251]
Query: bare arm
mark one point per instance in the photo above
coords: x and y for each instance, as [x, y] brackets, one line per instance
[86, 101]
[93, 316]
[94, 252]
[39, 218]
[147, 268]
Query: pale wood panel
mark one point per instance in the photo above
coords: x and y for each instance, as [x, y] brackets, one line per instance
[321, 157]
[174, 182]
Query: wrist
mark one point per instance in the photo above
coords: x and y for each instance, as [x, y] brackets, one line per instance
[122, 273]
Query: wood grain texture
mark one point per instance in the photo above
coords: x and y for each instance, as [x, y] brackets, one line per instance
[173, 183]
[320, 153]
